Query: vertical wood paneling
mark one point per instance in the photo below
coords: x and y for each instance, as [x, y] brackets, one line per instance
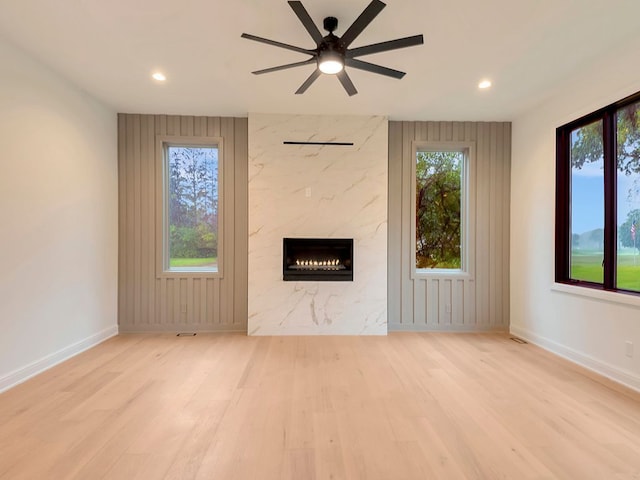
[184, 317]
[433, 297]
[190, 300]
[175, 301]
[483, 182]
[227, 287]
[129, 225]
[469, 305]
[494, 236]
[420, 304]
[444, 302]
[148, 302]
[241, 209]
[458, 303]
[162, 318]
[506, 196]
[150, 245]
[146, 199]
[202, 289]
[484, 219]
[162, 303]
[482, 301]
[494, 227]
[406, 292]
[215, 302]
[137, 215]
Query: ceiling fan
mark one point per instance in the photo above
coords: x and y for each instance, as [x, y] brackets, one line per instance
[332, 53]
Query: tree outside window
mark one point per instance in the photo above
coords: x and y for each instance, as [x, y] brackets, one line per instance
[439, 180]
[193, 207]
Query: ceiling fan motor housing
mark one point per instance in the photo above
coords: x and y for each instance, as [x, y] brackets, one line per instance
[331, 43]
[330, 24]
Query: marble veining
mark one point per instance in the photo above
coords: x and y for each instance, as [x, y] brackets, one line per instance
[348, 199]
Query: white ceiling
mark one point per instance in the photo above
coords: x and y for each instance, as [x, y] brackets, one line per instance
[526, 47]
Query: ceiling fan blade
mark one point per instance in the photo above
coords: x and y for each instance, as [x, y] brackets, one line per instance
[347, 83]
[277, 44]
[307, 83]
[371, 67]
[365, 18]
[284, 67]
[304, 17]
[386, 46]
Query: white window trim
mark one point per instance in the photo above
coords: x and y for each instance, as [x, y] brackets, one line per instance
[162, 207]
[467, 210]
[613, 297]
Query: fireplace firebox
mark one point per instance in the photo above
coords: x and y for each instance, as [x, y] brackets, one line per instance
[317, 259]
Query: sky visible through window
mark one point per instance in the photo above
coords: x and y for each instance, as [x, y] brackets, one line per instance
[588, 192]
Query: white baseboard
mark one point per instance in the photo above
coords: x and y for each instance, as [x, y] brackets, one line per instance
[622, 376]
[399, 327]
[22, 374]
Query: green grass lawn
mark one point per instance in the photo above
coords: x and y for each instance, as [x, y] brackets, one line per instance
[588, 266]
[193, 262]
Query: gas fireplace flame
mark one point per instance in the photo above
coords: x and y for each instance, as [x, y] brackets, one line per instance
[318, 263]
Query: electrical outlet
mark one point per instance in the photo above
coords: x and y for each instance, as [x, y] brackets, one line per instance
[183, 308]
[307, 192]
[628, 349]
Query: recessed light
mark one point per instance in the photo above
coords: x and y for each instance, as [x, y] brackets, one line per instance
[159, 76]
[484, 84]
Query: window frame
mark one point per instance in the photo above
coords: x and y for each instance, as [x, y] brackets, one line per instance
[563, 197]
[163, 142]
[467, 209]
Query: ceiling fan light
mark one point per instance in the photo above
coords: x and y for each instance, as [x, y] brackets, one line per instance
[330, 63]
[331, 67]
[159, 76]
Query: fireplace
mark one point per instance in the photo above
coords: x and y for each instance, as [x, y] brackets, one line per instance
[317, 259]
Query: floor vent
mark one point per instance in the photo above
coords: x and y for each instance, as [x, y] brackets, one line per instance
[186, 334]
[518, 340]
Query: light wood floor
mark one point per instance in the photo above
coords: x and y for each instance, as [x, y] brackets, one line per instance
[406, 406]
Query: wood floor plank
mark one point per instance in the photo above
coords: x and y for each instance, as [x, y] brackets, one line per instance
[407, 406]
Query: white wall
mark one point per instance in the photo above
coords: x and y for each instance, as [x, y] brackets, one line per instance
[348, 199]
[58, 219]
[589, 330]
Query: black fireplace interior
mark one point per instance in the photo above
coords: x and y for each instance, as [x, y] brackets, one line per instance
[317, 259]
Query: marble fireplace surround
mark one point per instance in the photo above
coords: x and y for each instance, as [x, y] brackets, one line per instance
[317, 191]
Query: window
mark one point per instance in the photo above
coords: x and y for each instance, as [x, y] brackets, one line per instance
[440, 183]
[191, 206]
[598, 198]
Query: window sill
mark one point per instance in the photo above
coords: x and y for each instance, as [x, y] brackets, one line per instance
[440, 275]
[602, 295]
[186, 273]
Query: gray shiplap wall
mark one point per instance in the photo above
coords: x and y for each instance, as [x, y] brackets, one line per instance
[477, 303]
[147, 302]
